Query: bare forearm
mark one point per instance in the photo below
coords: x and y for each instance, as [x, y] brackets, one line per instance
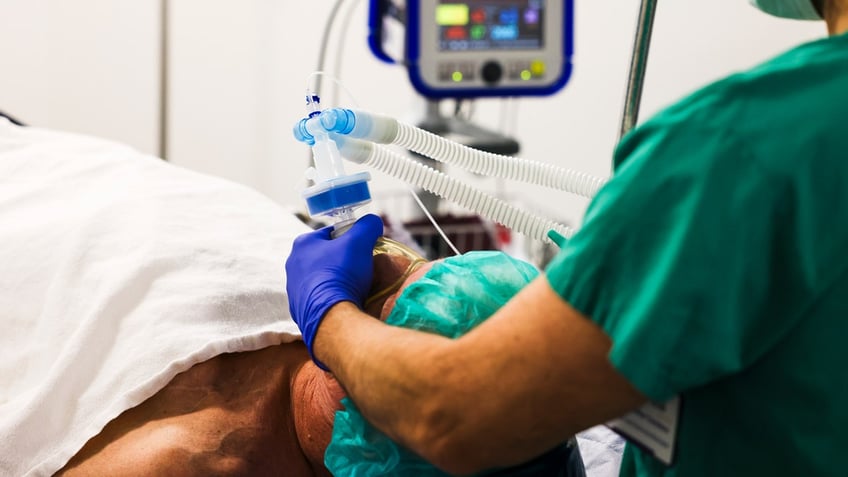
[388, 371]
[515, 386]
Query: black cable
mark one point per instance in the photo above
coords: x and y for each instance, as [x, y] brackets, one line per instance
[10, 118]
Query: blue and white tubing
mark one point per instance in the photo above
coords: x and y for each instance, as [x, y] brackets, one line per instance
[386, 130]
[464, 195]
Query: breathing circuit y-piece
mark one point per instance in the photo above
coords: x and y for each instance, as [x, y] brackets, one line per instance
[334, 194]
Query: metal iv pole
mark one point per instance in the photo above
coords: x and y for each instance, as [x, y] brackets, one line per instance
[164, 78]
[638, 65]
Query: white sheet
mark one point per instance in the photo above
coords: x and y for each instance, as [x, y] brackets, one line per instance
[601, 450]
[118, 272]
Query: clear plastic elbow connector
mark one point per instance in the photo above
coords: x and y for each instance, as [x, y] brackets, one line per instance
[359, 136]
[334, 193]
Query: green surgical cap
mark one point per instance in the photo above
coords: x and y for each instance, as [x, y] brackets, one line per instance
[453, 297]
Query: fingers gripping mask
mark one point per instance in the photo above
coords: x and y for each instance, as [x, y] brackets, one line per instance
[794, 9]
[394, 254]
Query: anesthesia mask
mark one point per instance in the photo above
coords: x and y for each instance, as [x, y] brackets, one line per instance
[396, 262]
[794, 9]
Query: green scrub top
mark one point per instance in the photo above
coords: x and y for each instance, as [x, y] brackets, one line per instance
[716, 259]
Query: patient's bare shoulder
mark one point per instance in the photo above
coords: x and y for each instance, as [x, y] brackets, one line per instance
[231, 415]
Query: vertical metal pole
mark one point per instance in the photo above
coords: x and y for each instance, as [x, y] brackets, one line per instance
[163, 79]
[638, 65]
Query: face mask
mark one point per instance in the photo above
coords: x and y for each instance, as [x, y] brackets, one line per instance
[795, 9]
[388, 246]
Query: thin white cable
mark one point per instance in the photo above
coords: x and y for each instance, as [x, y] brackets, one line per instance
[335, 80]
[322, 57]
[325, 39]
[337, 68]
[433, 220]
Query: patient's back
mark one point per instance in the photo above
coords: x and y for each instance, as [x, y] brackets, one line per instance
[234, 415]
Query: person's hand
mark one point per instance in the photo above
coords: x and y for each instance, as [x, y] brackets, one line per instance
[322, 271]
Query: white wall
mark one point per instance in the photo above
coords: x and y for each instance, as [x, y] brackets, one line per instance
[240, 69]
[88, 66]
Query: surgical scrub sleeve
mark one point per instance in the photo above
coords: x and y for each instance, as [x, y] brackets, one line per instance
[717, 262]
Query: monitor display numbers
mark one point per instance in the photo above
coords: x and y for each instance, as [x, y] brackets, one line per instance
[490, 25]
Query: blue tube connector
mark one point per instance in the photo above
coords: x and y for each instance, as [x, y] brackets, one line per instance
[302, 134]
[338, 120]
[334, 194]
[337, 195]
[347, 122]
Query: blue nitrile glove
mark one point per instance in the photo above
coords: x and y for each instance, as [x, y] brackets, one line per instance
[322, 271]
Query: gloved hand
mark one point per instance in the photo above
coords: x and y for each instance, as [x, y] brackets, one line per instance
[322, 271]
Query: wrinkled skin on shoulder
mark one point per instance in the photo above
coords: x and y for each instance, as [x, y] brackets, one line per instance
[230, 415]
[264, 412]
[317, 396]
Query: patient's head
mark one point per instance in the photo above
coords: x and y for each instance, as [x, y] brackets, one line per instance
[452, 296]
[448, 297]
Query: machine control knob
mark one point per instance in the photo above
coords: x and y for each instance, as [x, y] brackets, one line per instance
[492, 72]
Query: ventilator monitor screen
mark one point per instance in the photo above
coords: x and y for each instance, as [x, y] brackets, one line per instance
[475, 25]
[479, 48]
